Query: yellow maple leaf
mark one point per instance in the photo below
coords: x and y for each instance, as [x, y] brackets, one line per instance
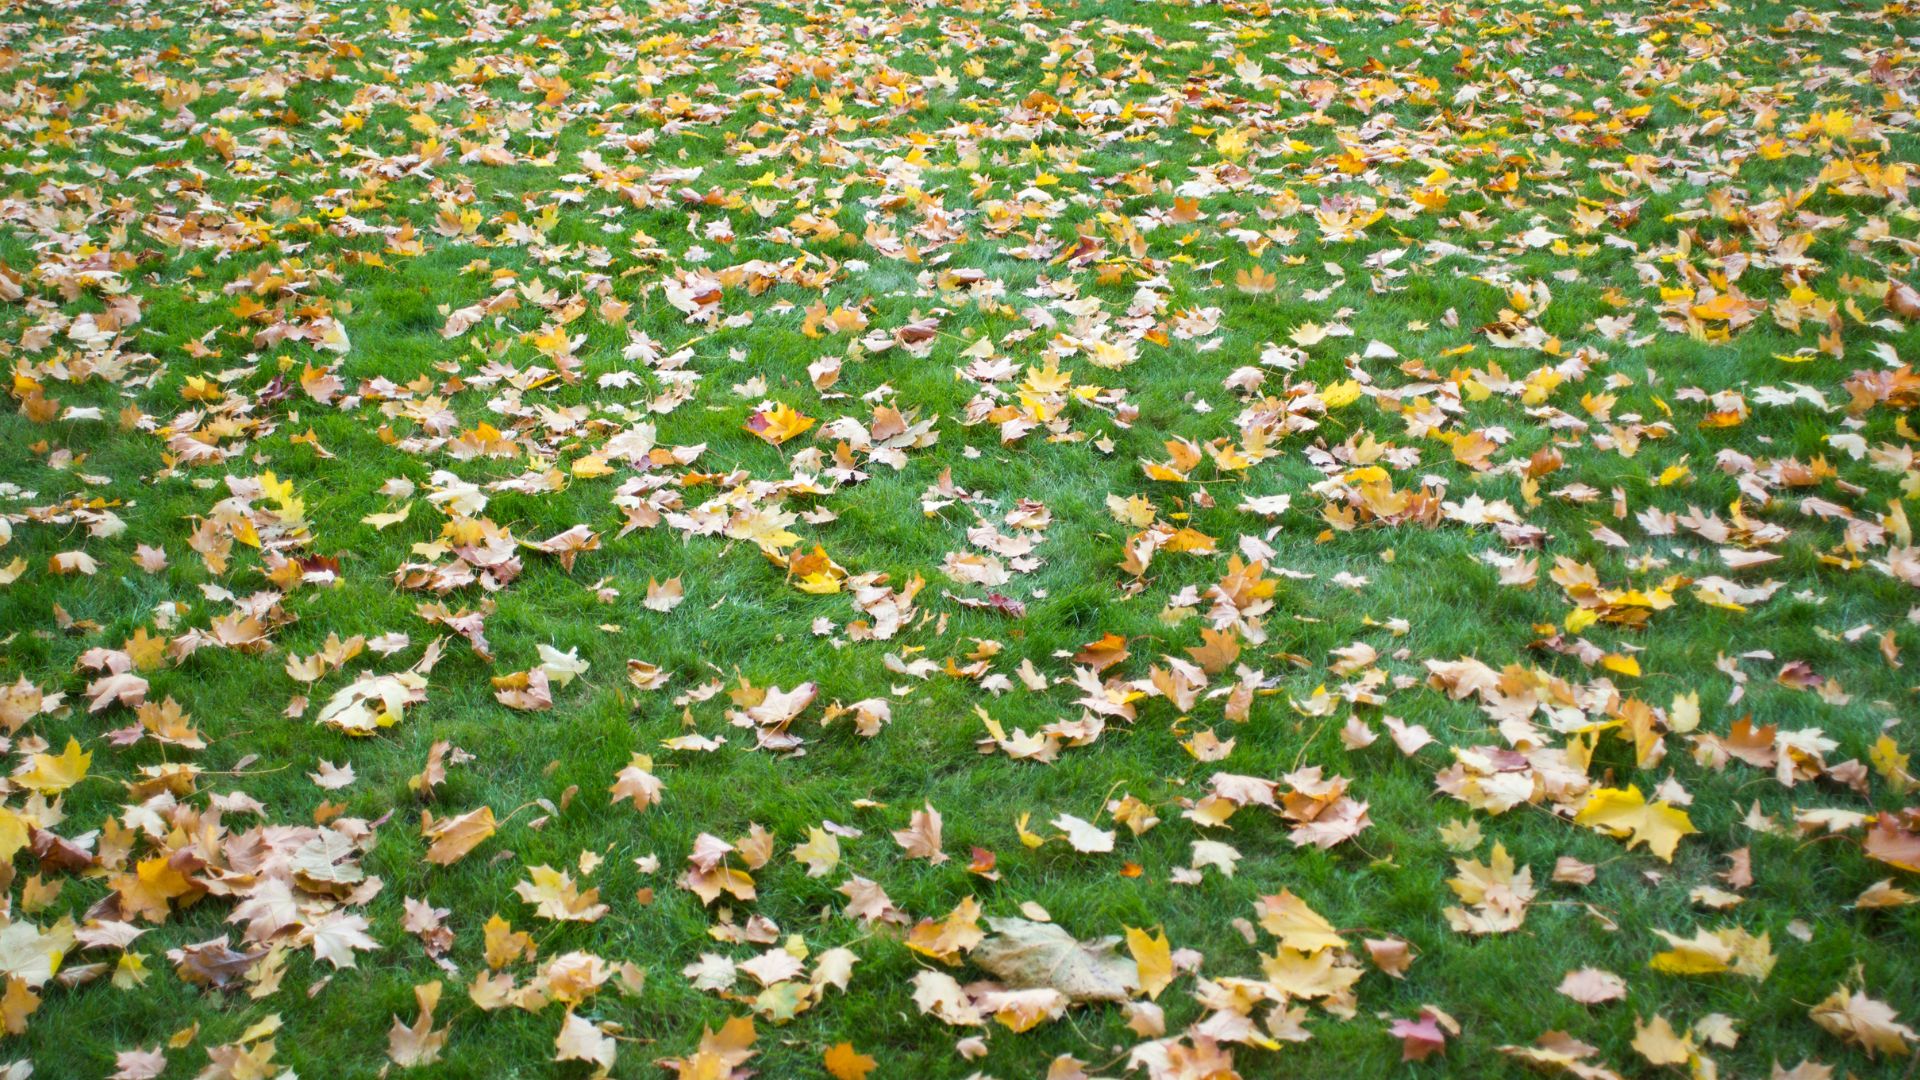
[1298, 926]
[1624, 812]
[14, 834]
[504, 944]
[947, 938]
[1341, 394]
[1154, 957]
[50, 775]
[1713, 952]
[1620, 665]
[1309, 975]
[454, 836]
[846, 1063]
[17, 1004]
[1256, 281]
[820, 853]
[555, 896]
[778, 424]
[1661, 1045]
[1891, 764]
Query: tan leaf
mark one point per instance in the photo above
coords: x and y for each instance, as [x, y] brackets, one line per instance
[451, 838]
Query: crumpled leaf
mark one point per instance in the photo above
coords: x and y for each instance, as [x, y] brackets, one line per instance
[1033, 955]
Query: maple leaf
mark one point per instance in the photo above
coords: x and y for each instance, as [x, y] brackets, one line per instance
[569, 545]
[946, 939]
[1461, 836]
[1084, 836]
[1030, 955]
[139, 1064]
[939, 995]
[451, 838]
[1425, 1035]
[820, 852]
[1557, 1051]
[1111, 649]
[778, 424]
[843, 1062]
[664, 596]
[73, 562]
[373, 702]
[33, 955]
[581, 1039]
[1624, 812]
[332, 777]
[719, 1053]
[1889, 843]
[1712, 952]
[1390, 955]
[921, 838]
[1152, 959]
[1474, 450]
[1591, 986]
[1656, 1041]
[1256, 281]
[1217, 651]
[1499, 894]
[637, 783]
[868, 902]
[1884, 893]
[780, 707]
[503, 944]
[51, 775]
[772, 967]
[410, 1046]
[1298, 926]
[1323, 974]
[17, 1003]
[1903, 300]
[646, 676]
[1222, 857]
[1308, 335]
[1865, 1022]
[555, 896]
[1021, 1010]
[336, 936]
[527, 691]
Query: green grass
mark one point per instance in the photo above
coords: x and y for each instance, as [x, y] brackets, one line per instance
[69, 182]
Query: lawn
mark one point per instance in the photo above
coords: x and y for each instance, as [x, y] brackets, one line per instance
[919, 540]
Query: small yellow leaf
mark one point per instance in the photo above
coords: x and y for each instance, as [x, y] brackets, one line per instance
[1154, 957]
[1341, 394]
